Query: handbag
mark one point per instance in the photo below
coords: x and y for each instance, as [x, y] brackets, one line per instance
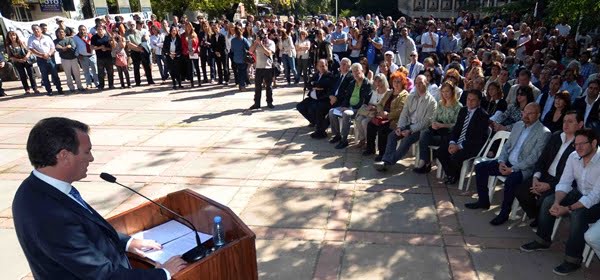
[364, 111]
[121, 59]
[379, 121]
[249, 58]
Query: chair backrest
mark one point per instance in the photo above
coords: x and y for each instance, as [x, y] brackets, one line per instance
[501, 136]
[487, 141]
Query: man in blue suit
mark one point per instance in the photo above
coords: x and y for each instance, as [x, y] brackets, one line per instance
[62, 236]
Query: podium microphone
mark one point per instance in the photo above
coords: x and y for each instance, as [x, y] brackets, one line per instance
[193, 255]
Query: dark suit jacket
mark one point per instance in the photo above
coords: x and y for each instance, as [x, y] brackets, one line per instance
[365, 94]
[217, 41]
[343, 88]
[477, 131]
[325, 83]
[593, 120]
[63, 240]
[548, 155]
[167, 46]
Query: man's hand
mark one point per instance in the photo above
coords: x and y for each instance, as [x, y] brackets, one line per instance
[332, 99]
[406, 133]
[2, 64]
[174, 265]
[398, 132]
[435, 125]
[138, 246]
[453, 148]
[558, 211]
[504, 170]
[540, 187]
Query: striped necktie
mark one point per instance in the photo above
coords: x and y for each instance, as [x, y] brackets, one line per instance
[463, 132]
[75, 194]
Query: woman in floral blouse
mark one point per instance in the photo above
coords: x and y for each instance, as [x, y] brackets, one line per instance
[506, 120]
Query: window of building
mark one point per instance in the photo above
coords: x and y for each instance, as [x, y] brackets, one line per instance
[23, 14]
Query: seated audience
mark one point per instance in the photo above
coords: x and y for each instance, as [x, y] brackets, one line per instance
[580, 204]
[443, 121]
[516, 161]
[316, 105]
[513, 114]
[554, 118]
[368, 111]
[589, 106]
[386, 118]
[549, 167]
[415, 117]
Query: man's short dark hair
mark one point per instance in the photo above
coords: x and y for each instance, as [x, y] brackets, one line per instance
[43, 25]
[525, 71]
[578, 116]
[476, 93]
[588, 133]
[49, 136]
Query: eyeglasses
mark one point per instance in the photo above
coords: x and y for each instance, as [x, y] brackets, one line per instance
[580, 144]
[413, 55]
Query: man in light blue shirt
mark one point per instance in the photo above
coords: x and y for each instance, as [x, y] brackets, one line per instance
[339, 40]
[449, 44]
[570, 85]
[516, 161]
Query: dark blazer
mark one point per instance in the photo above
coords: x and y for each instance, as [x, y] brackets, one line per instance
[593, 120]
[217, 41]
[365, 94]
[343, 88]
[549, 122]
[325, 83]
[548, 155]
[167, 46]
[477, 131]
[63, 240]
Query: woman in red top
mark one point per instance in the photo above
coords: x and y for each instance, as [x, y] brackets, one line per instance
[190, 52]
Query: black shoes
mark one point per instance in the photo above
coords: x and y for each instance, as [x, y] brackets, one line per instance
[566, 268]
[533, 246]
[335, 139]
[270, 105]
[381, 166]
[254, 107]
[342, 144]
[500, 219]
[423, 169]
[450, 180]
[477, 205]
[318, 135]
[368, 152]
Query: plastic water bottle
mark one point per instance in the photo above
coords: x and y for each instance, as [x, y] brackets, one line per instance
[218, 232]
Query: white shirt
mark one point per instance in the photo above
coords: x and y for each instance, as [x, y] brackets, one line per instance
[552, 169]
[426, 39]
[513, 157]
[65, 188]
[588, 107]
[549, 104]
[313, 93]
[156, 42]
[43, 44]
[586, 178]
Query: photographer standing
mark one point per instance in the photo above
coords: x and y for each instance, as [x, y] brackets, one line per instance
[373, 46]
[264, 49]
[322, 49]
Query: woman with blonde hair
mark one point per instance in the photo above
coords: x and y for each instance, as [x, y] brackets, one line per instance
[368, 111]
[444, 119]
[303, 56]
[388, 113]
[287, 51]
[190, 52]
[207, 54]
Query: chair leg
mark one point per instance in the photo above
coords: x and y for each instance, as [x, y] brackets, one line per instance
[440, 171]
[415, 147]
[470, 176]
[588, 255]
[491, 186]
[463, 174]
[555, 228]
[514, 209]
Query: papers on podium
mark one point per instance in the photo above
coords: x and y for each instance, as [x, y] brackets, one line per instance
[174, 237]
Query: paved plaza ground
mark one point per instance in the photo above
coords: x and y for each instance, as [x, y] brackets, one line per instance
[318, 213]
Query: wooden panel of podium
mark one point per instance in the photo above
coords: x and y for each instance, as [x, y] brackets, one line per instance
[236, 260]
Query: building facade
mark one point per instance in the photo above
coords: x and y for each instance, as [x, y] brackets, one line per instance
[443, 8]
[42, 9]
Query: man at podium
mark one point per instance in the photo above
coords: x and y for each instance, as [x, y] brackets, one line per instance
[62, 236]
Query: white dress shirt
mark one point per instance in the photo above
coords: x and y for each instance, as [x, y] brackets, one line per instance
[65, 188]
[43, 44]
[426, 39]
[552, 169]
[513, 157]
[549, 104]
[586, 178]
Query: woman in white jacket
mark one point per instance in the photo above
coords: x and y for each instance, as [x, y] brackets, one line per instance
[287, 51]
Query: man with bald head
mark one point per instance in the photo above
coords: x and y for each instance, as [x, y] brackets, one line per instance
[516, 161]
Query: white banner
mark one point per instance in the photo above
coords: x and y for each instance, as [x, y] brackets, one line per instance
[23, 29]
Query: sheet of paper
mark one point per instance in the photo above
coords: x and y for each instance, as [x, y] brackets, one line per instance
[164, 233]
[337, 112]
[176, 247]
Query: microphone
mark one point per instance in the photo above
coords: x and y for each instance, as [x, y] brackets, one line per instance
[193, 255]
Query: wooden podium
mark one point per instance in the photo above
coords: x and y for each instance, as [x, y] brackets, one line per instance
[235, 260]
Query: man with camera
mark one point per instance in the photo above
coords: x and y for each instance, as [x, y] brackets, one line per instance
[372, 49]
[264, 48]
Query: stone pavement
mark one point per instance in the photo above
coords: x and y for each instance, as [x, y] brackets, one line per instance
[318, 213]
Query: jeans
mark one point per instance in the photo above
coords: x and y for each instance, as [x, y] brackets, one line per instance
[580, 220]
[302, 68]
[161, 62]
[490, 168]
[26, 71]
[346, 120]
[88, 64]
[49, 67]
[289, 65]
[430, 138]
[592, 237]
[393, 155]
[71, 68]
[123, 71]
[192, 64]
[266, 76]
[242, 74]
[106, 64]
[204, 59]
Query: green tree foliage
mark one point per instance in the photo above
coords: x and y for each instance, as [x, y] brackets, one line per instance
[211, 7]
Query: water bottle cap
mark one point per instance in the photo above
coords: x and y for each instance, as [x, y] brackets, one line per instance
[217, 219]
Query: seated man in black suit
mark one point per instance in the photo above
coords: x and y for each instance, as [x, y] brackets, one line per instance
[467, 138]
[589, 106]
[62, 236]
[317, 104]
[549, 167]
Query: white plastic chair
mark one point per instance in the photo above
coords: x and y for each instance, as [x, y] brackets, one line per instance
[501, 136]
[439, 173]
[588, 252]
